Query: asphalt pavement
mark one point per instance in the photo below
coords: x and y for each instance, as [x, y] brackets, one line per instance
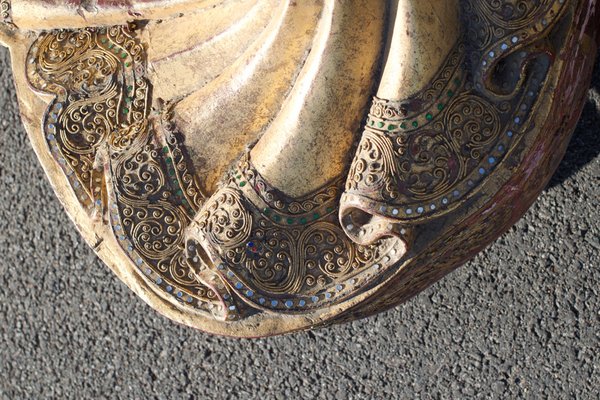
[521, 320]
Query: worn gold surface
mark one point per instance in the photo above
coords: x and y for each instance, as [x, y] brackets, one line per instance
[205, 162]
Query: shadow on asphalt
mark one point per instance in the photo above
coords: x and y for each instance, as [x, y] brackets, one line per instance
[584, 146]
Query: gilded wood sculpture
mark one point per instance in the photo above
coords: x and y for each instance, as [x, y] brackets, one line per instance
[256, 167]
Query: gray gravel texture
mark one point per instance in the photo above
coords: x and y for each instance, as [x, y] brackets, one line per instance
[521, 320]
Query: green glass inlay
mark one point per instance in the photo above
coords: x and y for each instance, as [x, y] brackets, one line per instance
[450, 93]
[277, 218]
[391, 127]
[267, 211]
[440, 106]
[380, 124]
[242, 184]
[303, 221]
[290, 221]
[429, 117]
[415, 124]
[125, 110]
[316, 216]
[403, 125]
[123, 55]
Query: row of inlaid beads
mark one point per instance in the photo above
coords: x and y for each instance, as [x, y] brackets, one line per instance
[394, 126]
[301, 303]
[418, 211]
[281, 218]
[180, 294]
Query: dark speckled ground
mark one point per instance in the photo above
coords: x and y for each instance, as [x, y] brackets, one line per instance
[522, 320]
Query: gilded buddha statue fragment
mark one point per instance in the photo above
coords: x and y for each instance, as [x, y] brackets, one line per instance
[257, 167]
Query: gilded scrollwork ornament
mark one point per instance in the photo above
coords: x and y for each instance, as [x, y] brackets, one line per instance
[248, 184]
